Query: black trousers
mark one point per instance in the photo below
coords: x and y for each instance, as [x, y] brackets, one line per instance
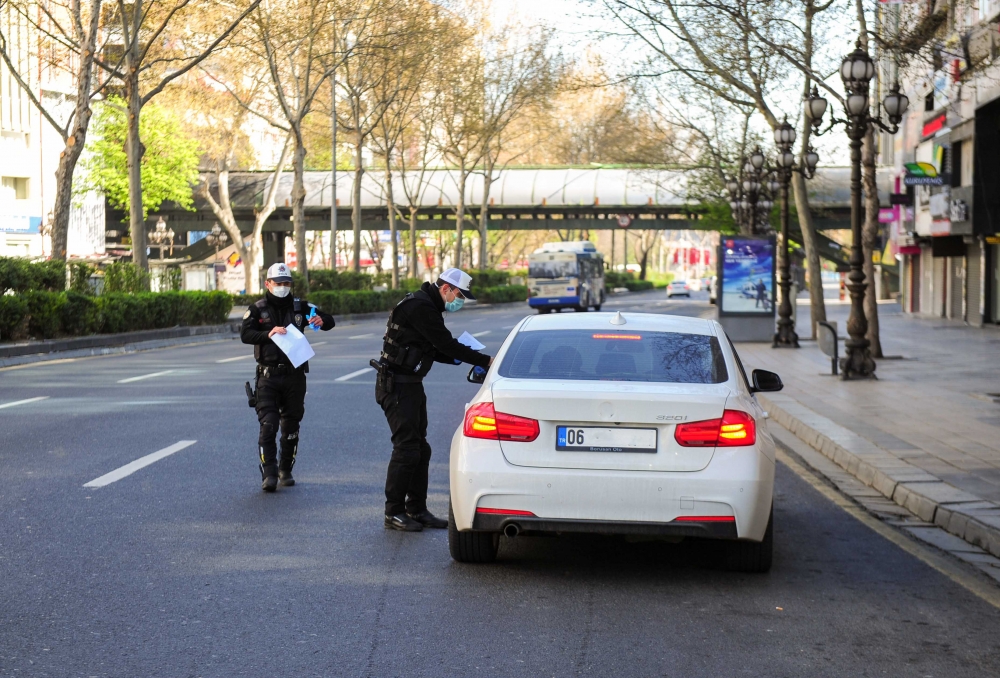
[405, 409]
[281, 400]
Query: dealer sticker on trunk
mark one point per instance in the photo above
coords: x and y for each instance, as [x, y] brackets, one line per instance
[595, 439]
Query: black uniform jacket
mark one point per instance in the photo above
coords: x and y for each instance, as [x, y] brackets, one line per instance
[258, 322]
[422, 321]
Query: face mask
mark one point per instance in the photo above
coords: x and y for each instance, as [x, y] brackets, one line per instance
[281, 291]
[452, 306]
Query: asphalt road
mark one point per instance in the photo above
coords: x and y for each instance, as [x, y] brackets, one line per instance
[185, 568]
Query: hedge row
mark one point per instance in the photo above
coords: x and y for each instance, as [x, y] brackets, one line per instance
[44, 315]
[20, 275]
[639, 285]
[502, 294]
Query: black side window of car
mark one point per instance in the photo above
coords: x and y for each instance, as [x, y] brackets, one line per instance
[739, 364]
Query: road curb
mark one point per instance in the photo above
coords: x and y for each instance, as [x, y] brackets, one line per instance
[113, 344]
[965, 515]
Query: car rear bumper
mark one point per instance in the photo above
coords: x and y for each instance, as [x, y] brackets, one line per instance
[535, 525]
[737, 483]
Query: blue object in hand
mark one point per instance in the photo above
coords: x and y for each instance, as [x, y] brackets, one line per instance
[477, 370]
[312, 314]
[457, 361]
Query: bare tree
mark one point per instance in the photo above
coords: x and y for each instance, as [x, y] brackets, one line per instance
[67, 28]
[738, 51]
[160, 42]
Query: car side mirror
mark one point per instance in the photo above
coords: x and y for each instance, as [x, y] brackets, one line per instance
[477, 375]
[765, 381]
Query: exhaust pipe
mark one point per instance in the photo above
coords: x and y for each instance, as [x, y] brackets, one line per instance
[511, 530]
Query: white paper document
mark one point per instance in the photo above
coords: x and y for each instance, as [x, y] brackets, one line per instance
[295, 345]
[470, 341]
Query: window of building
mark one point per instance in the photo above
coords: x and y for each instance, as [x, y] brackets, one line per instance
[14, 188]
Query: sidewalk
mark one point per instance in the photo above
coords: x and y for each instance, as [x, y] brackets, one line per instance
[926, 434]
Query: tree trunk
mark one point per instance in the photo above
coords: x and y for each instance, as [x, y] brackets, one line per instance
[817, 307]
[460, 216]
[870, 240]
[75, 141]
[223, 212]
[299, 207]
[359, 170]
[134, 150]
[414, 273]
[484, 220]
[260, 218]
[391, 205]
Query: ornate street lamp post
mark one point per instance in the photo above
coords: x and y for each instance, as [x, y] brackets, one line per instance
[218, 238]
[857, 70]
[162, 237]
[748, 202]
[784, 137]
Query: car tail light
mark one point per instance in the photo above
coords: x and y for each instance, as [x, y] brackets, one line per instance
[504, 512]
[482, 421]
[734, 429]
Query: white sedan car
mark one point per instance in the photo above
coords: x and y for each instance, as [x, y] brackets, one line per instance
[626, 423]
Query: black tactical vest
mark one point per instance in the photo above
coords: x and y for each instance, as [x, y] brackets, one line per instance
[269, 354]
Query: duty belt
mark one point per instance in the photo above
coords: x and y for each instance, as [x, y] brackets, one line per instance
[279, 370]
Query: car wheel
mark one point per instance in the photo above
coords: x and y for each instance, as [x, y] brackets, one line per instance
[471, 547]
[544, 311]
[597, 307]
[751, 556]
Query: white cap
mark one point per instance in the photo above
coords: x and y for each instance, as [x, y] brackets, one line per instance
[458, 279]
[279, 273]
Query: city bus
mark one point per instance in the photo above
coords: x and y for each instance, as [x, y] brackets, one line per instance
[566, 275]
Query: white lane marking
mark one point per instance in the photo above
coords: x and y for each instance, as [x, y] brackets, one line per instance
[239, 357]
[508, 327]
[361, 336]
[354, 374]
[479, 334]
[144, 376]
[22, 402]
[318, 343]
[141, 462]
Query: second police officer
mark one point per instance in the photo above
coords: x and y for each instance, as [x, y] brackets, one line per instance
[281, 388]
[415, 338]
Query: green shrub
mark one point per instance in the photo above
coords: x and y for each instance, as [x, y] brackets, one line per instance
[13, 309]
[502, 294]
[81, 315]
[639, 285]
[353, 301]
[44, 313]
[613, 279]
[125, 277]
[326, 280]
[22, 275]
[488, 278]
[79, 277]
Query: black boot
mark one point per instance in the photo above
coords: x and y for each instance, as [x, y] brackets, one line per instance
[269, 477]
[285, 478]
[289, 448]
[403, 523]
[428, 519]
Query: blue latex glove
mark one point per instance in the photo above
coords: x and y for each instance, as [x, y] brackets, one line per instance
[457, 361]
[477, 370]
[312, 314]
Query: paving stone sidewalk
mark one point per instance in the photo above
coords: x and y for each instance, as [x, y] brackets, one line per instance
[926, 434]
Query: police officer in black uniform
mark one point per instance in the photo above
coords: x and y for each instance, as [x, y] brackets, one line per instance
[415, 338]
[281, 388]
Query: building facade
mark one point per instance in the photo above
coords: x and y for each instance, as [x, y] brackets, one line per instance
[946, 227]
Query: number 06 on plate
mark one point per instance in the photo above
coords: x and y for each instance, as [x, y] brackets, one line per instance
[595, 439]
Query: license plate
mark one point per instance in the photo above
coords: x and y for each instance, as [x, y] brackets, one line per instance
[594, 439]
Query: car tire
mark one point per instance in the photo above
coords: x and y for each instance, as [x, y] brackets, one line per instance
[544, 311]
[752, 556]
[471, 547]
[597, 307]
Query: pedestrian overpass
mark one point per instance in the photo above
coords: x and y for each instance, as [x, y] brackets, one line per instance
[519, 198]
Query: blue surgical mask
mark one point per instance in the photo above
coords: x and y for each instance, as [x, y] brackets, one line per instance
[452, 306]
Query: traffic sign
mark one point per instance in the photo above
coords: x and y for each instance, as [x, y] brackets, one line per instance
[624, 220]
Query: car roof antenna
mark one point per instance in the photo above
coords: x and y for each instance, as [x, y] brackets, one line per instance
[619, 319]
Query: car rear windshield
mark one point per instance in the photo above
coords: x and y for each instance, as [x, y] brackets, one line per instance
[670, 357]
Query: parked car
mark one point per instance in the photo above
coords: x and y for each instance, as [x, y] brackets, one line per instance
[678, 288]
[590, 424]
